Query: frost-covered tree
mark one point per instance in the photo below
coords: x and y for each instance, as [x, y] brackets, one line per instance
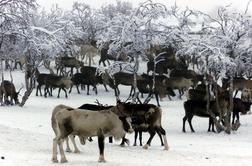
[134, 34]
[37, 36]
[220, 45]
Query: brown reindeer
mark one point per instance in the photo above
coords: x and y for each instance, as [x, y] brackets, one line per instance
[7, 90]
[64, 62]
[239, 83]
[148, 117]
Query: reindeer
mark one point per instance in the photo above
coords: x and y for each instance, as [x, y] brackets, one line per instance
[179, 83]
[64, 62]
[41, 80]
[54, 81]
[239, 83]
[148, 117]
[199, 108]
[106, 57]
[78, 122]
[89, 52]
[7, 90]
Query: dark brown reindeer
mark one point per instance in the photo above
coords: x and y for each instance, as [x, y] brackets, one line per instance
[149, 118]
[8, 90]
[199, 108]
[160, 90]
[105, 56]
[199, 93]
[239, 106]
[41, 80]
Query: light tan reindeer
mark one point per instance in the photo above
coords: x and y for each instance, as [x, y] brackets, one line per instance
[89, 52]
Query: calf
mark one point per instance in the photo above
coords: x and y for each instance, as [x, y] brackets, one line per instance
[77, 122]
[148, 117]
[7, 89]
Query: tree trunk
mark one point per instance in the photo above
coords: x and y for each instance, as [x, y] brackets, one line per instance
[29, 83]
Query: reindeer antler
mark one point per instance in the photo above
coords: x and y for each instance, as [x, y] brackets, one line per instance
[97, 101]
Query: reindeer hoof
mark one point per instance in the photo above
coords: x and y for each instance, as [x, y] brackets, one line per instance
[68, 150]
[77, 151]
[146, 146]
[63, 161]
[122, 145]
[166, 148]
[101, 160]
[54, 160]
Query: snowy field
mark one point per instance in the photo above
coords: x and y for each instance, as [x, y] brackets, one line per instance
[26, 136]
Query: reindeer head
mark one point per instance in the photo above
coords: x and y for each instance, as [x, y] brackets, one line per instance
[16, 94]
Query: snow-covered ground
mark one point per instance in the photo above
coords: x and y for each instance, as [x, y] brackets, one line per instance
[26, 136]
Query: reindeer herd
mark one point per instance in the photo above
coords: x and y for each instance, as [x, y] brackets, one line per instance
[205, 98]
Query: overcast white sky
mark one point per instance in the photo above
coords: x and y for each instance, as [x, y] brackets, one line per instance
[203, 5]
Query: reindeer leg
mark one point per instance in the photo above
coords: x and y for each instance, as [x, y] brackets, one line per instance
[184, 121]
[54, 156]
[162, 132]
[233, 117]
[45, 91]
[62, 153]
[77, 87]
[140, 137]
[156, 95]
[67, 145]
[65, 92]
[59, 92]
[76, 150]
[110, 139]
[101, 146]
[95, 89]
[105, 87]
[152, 134]
[190, 123]
[136, 133]
[87, 89]
[161, 140]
